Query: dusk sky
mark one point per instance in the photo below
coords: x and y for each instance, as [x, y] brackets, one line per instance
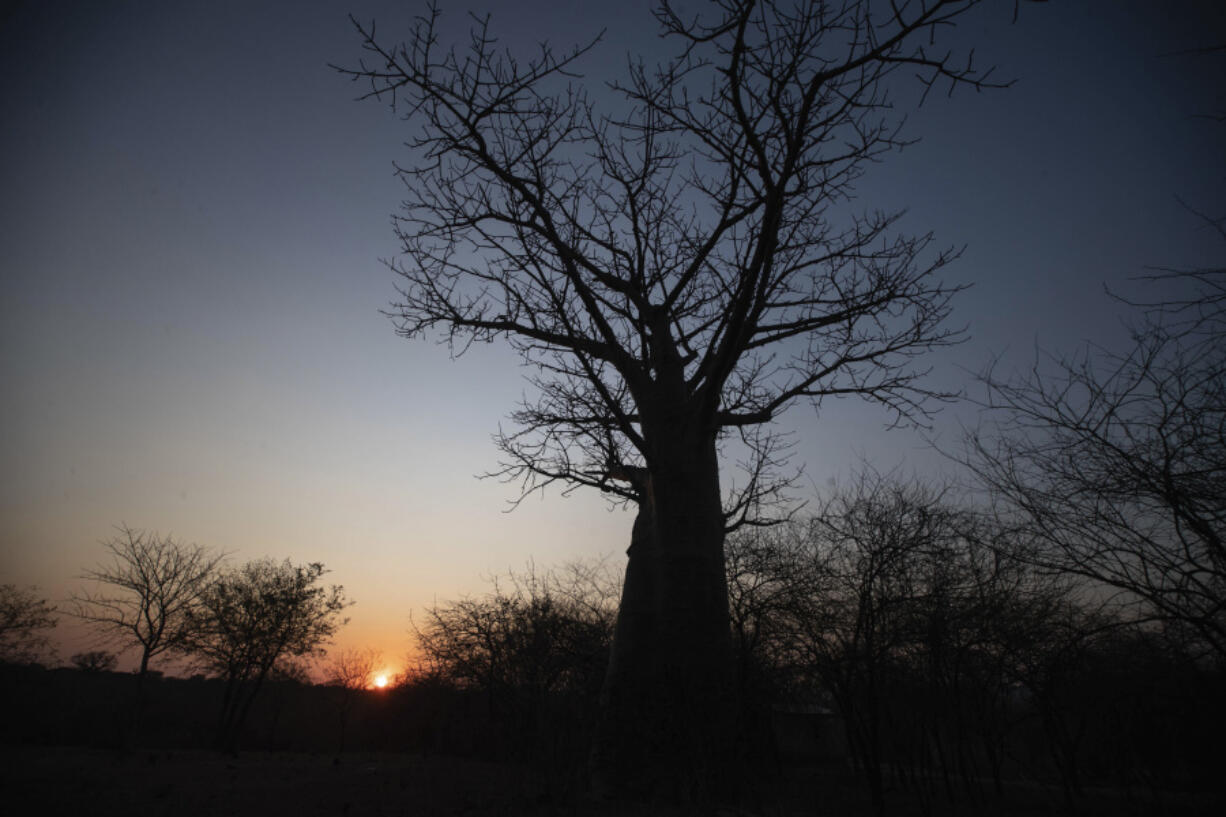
[194, 207]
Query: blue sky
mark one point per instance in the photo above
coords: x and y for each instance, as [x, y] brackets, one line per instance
[194, 209]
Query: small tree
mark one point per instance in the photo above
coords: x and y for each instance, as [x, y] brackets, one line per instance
[351, 673]
[856, 605]
[532, 650]
[23, 619]
[95, 661]
[250, 617]
[353, 669]
[530, 635]
[148, 592]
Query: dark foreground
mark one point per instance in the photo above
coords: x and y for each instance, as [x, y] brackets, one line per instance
[46, 780]
[81, 781]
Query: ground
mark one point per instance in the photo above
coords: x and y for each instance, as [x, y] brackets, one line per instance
[53, 780]
[96, 782]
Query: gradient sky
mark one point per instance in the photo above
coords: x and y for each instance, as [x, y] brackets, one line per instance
[193, 207]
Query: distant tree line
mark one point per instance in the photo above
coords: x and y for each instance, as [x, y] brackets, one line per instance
[913, 621]
[169, 598]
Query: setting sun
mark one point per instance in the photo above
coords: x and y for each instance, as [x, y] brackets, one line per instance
[380, 681]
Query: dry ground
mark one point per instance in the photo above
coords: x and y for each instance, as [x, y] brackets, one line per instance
[88, 782]
[46, 781]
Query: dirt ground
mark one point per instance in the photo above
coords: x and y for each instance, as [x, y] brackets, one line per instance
[79, 781]
[46, 781]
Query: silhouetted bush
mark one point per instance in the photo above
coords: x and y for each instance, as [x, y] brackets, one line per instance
[520, 667]
[95, 661]
[250, 618]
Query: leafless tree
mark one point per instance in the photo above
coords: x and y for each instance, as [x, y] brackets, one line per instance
[526, 658]
[951, 657]
[764, 565]
[533, 633]
[1116, 462]
[24, 618]
[1050, 642]
[351, 672]
[146, 592]
[855, 606]
[912, 612]
[678, 268]
[95, 661]
[253, 616]
[353, 669]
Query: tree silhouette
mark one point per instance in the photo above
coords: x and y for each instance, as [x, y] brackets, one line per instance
[911, 614]
[95, 661]
[351, 672]
[1115, 463]
[254, 615]
[678, 269]
[531, 635]
[149, 590]
[532, 652]
[23, 615]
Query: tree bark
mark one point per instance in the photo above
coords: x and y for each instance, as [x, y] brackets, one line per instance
[665, 727]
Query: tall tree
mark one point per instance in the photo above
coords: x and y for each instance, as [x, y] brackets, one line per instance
[146, 592]
[678, 269]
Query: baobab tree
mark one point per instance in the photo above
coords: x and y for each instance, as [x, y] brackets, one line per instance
[677, 268]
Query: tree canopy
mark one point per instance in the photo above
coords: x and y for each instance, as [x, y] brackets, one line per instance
[147, 592]
[688, 243]
[250, 617]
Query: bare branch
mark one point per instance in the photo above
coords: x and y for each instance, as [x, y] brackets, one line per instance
[147, 591]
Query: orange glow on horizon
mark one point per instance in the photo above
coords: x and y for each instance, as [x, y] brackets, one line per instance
[381, 681]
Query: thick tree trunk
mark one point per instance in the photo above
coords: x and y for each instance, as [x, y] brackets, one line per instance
[666, 719]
